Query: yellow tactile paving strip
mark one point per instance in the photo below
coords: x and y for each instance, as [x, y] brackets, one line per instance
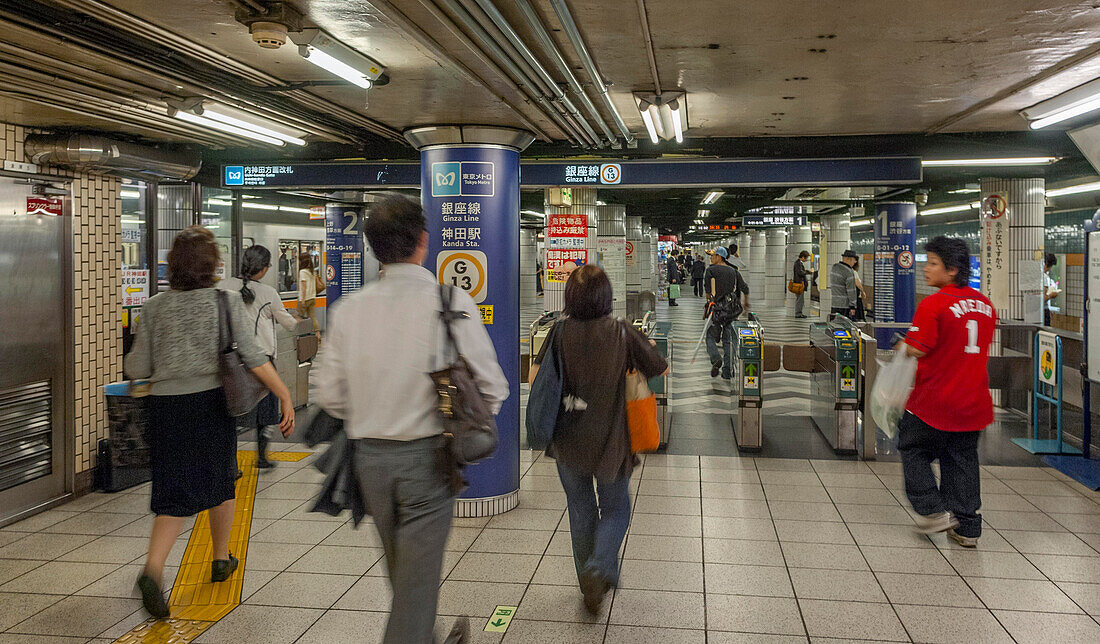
[196, 602]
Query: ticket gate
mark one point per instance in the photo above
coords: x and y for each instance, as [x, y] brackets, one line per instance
[748, 384]
[835, 382]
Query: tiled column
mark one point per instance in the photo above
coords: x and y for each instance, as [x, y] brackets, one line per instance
[838, 238]
[584, 203]
[611, 252]
[744, 251]
[756, 266]
[774, 269]
[1026, 226]
[799, 239]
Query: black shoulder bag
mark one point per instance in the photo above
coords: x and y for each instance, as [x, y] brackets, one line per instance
[243, 390]
[467, 421]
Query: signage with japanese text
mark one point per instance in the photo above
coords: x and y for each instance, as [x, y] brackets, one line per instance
[773, 220]
[52, 206]
[561, 262]
[135, 287]
[995, 218]
[567, 225]
[344, 250]
[895, 273]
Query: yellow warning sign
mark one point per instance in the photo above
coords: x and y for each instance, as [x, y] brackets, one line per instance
[486, 313]
[847, 384]
[500, 619]
[750, 382]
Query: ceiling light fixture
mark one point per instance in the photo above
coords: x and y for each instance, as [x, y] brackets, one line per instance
[245, 121]
[1009, 161]
[129, 194]
[664, 115]
[861, 222]
[1092, 186]
[227, 128]
[337, 58]
[946, 209]
[712, 196]
[1077, 101]
[964, 191]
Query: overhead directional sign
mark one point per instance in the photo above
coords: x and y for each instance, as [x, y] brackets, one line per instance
[652, 173]
[773, 220]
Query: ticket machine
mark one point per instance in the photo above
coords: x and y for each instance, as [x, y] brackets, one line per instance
[835, 382]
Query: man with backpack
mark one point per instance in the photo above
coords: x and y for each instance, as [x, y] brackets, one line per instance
[724, 287]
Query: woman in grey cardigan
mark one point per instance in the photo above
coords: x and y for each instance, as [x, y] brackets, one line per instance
[192, 438]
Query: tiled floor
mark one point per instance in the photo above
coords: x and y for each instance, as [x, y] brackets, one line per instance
[720, 549]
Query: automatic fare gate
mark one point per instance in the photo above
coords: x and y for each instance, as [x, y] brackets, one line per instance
[835, 382]
[748, 349]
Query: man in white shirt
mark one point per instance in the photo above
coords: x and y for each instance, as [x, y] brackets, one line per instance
[1050, 288]
[382, 343]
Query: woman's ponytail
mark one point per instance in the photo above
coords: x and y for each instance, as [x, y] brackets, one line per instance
[256, 259]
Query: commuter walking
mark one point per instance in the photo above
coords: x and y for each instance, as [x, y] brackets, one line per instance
[192, 437]
[596, 351]
[674, 277]
[698, 269]
[861, 296]
[801, 275]
[307, 290]
[264, 308]
[1050, 288]
[382, 343]
[842, 284]
[950, 403]
[724, 286]
[733, 258]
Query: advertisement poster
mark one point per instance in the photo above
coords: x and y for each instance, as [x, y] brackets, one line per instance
[995, 216]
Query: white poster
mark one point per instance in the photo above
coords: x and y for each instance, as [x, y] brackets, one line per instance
[612, 259]
[135, 287]
[994, 250]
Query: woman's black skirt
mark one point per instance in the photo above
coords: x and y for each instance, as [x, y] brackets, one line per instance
[193, 449]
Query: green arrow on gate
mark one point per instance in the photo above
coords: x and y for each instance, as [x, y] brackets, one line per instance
[848, 371]
[750, 369]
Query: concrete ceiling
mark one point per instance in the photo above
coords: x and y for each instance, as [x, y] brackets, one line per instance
[755, 72]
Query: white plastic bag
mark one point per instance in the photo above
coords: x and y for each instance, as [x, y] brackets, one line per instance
[891, 391]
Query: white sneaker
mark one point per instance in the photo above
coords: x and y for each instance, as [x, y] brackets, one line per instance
[966, 542]
[933, 523]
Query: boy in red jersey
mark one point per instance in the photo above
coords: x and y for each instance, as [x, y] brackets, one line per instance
[950, 403]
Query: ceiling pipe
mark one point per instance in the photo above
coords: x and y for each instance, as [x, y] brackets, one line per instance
[409, 27]
[555, 54]
[482, 46]
[559, 96]
[574, 34]
[647, 35]
[107, 156]
[548, 92]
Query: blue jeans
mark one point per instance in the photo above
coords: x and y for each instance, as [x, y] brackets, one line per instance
[723, 334]
[597, 532]
[959, 490]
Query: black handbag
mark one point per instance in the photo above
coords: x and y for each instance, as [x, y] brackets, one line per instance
[467, 421]
[243, 390]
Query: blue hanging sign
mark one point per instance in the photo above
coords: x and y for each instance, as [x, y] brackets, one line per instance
[895, 265]
[344, 251]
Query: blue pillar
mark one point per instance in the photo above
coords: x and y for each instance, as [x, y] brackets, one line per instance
[470, 194]
[895, 265]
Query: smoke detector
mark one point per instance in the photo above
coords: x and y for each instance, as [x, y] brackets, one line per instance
[269, 27]
[269, 35]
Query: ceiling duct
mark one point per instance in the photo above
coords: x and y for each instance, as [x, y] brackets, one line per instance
[1087, 138]
[105, 156]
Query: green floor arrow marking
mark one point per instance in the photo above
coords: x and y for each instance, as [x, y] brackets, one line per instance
[500, 619]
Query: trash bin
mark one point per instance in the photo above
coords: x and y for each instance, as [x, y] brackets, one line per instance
[123, 457]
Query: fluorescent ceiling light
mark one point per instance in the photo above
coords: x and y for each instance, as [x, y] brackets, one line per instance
[260, 206]
[337, 67]
[129, 194]
[532, 212]
[1073, 190]
[304, 211]
[943, 163]
[132, 220]
[226, 127]
[861, 222]
[964, 191]
[946, 209]
[649, 117]
[219, 202]
[249, 123]
[1077, 101]
[712, 196]
[677, 121]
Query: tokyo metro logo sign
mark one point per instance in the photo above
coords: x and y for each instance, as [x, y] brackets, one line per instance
[234, 175]
[463, 179]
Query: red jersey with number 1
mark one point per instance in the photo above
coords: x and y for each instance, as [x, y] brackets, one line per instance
[954, 328]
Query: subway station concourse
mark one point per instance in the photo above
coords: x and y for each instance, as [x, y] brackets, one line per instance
[822, 150]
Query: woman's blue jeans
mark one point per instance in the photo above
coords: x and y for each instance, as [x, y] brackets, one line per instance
[597, 527]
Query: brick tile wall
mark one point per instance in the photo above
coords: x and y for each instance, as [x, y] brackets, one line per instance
[97, 298]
